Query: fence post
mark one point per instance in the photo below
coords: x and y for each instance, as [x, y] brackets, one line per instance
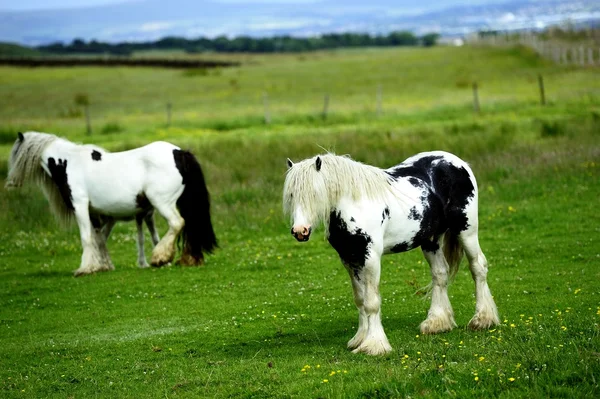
[542, 91]
[325, 106]
[591, 56]
[475, 98]
[266, 106]
[169, 106]
[379, 99]
[88, 122]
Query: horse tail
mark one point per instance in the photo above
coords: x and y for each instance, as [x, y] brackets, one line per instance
[198, 236]
[453, 252]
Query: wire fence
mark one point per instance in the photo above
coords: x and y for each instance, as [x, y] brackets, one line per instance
[565, 53]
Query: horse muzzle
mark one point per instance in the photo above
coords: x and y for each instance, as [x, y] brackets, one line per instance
[302, 234]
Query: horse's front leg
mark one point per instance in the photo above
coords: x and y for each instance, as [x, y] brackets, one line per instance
[95, 256]
[363, 324]
[149, 219]
[371, 335]
[440, 317]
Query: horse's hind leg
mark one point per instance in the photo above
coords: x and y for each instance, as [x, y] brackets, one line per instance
[440, 317]
[164, 251]
[486, 313]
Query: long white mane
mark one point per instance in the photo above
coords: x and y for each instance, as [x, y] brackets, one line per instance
[25, 165]
[317, 192]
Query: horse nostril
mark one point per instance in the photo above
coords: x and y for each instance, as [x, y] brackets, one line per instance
[292, 231]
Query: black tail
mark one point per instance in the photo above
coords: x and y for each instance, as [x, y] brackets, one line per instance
[453, 252]
[198, 236]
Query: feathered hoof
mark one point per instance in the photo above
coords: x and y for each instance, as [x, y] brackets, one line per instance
[374, 347]
[159, 260]
[82, 271]
[480, 322]
[144, 265]
[356, 341]
[437, 325]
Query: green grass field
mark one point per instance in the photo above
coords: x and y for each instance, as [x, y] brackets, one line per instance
[270, 317]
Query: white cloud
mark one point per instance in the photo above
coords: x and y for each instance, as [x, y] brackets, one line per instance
[156, 26]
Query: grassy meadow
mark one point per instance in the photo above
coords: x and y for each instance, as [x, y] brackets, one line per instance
[268, 316]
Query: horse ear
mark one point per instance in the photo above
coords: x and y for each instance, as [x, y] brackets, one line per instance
[318, 163]
[20, 136]
[289, 163]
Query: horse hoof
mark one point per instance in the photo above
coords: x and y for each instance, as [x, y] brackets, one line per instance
[481, 323]
[80, 273]
[189, 260]
[374, 348]
[437, 325]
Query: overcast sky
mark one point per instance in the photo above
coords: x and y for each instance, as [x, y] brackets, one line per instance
[48, 4]
[20, 5]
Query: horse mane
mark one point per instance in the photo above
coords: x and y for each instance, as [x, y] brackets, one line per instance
[316, 192]
[25, 165]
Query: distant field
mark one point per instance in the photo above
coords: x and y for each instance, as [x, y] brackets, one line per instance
[270, 317]
[134, 100]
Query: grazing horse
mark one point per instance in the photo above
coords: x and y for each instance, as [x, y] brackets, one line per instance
[98, 188]
[427, 201]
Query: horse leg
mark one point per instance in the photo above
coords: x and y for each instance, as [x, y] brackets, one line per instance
[375, 341]
[363, 323]
[486, 313]
[139, 223]
[440, 317]
[95, 256]
[107, 228]
[164, 251]
[149, 219]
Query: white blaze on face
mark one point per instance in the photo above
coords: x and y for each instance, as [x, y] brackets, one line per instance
[301, 228]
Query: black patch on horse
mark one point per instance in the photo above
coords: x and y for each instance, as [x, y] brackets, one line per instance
[142, 202]
[448, 190]
[418, 170]
[432, 226]
[415, 182]
[352, 246]
[96, 155]
[352, 219]
[414, 214]
[385, 214]
[58, 172]
[402, 247]
[455, 188]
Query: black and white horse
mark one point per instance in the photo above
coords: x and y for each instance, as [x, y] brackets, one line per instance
[428, 201]
[98, 188]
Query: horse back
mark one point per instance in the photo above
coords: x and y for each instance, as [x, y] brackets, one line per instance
[447, 183]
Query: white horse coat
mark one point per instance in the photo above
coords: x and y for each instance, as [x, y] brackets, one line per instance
[429, 200]
[97, 188]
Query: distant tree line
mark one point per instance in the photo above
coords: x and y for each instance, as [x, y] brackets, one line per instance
[245, 44]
